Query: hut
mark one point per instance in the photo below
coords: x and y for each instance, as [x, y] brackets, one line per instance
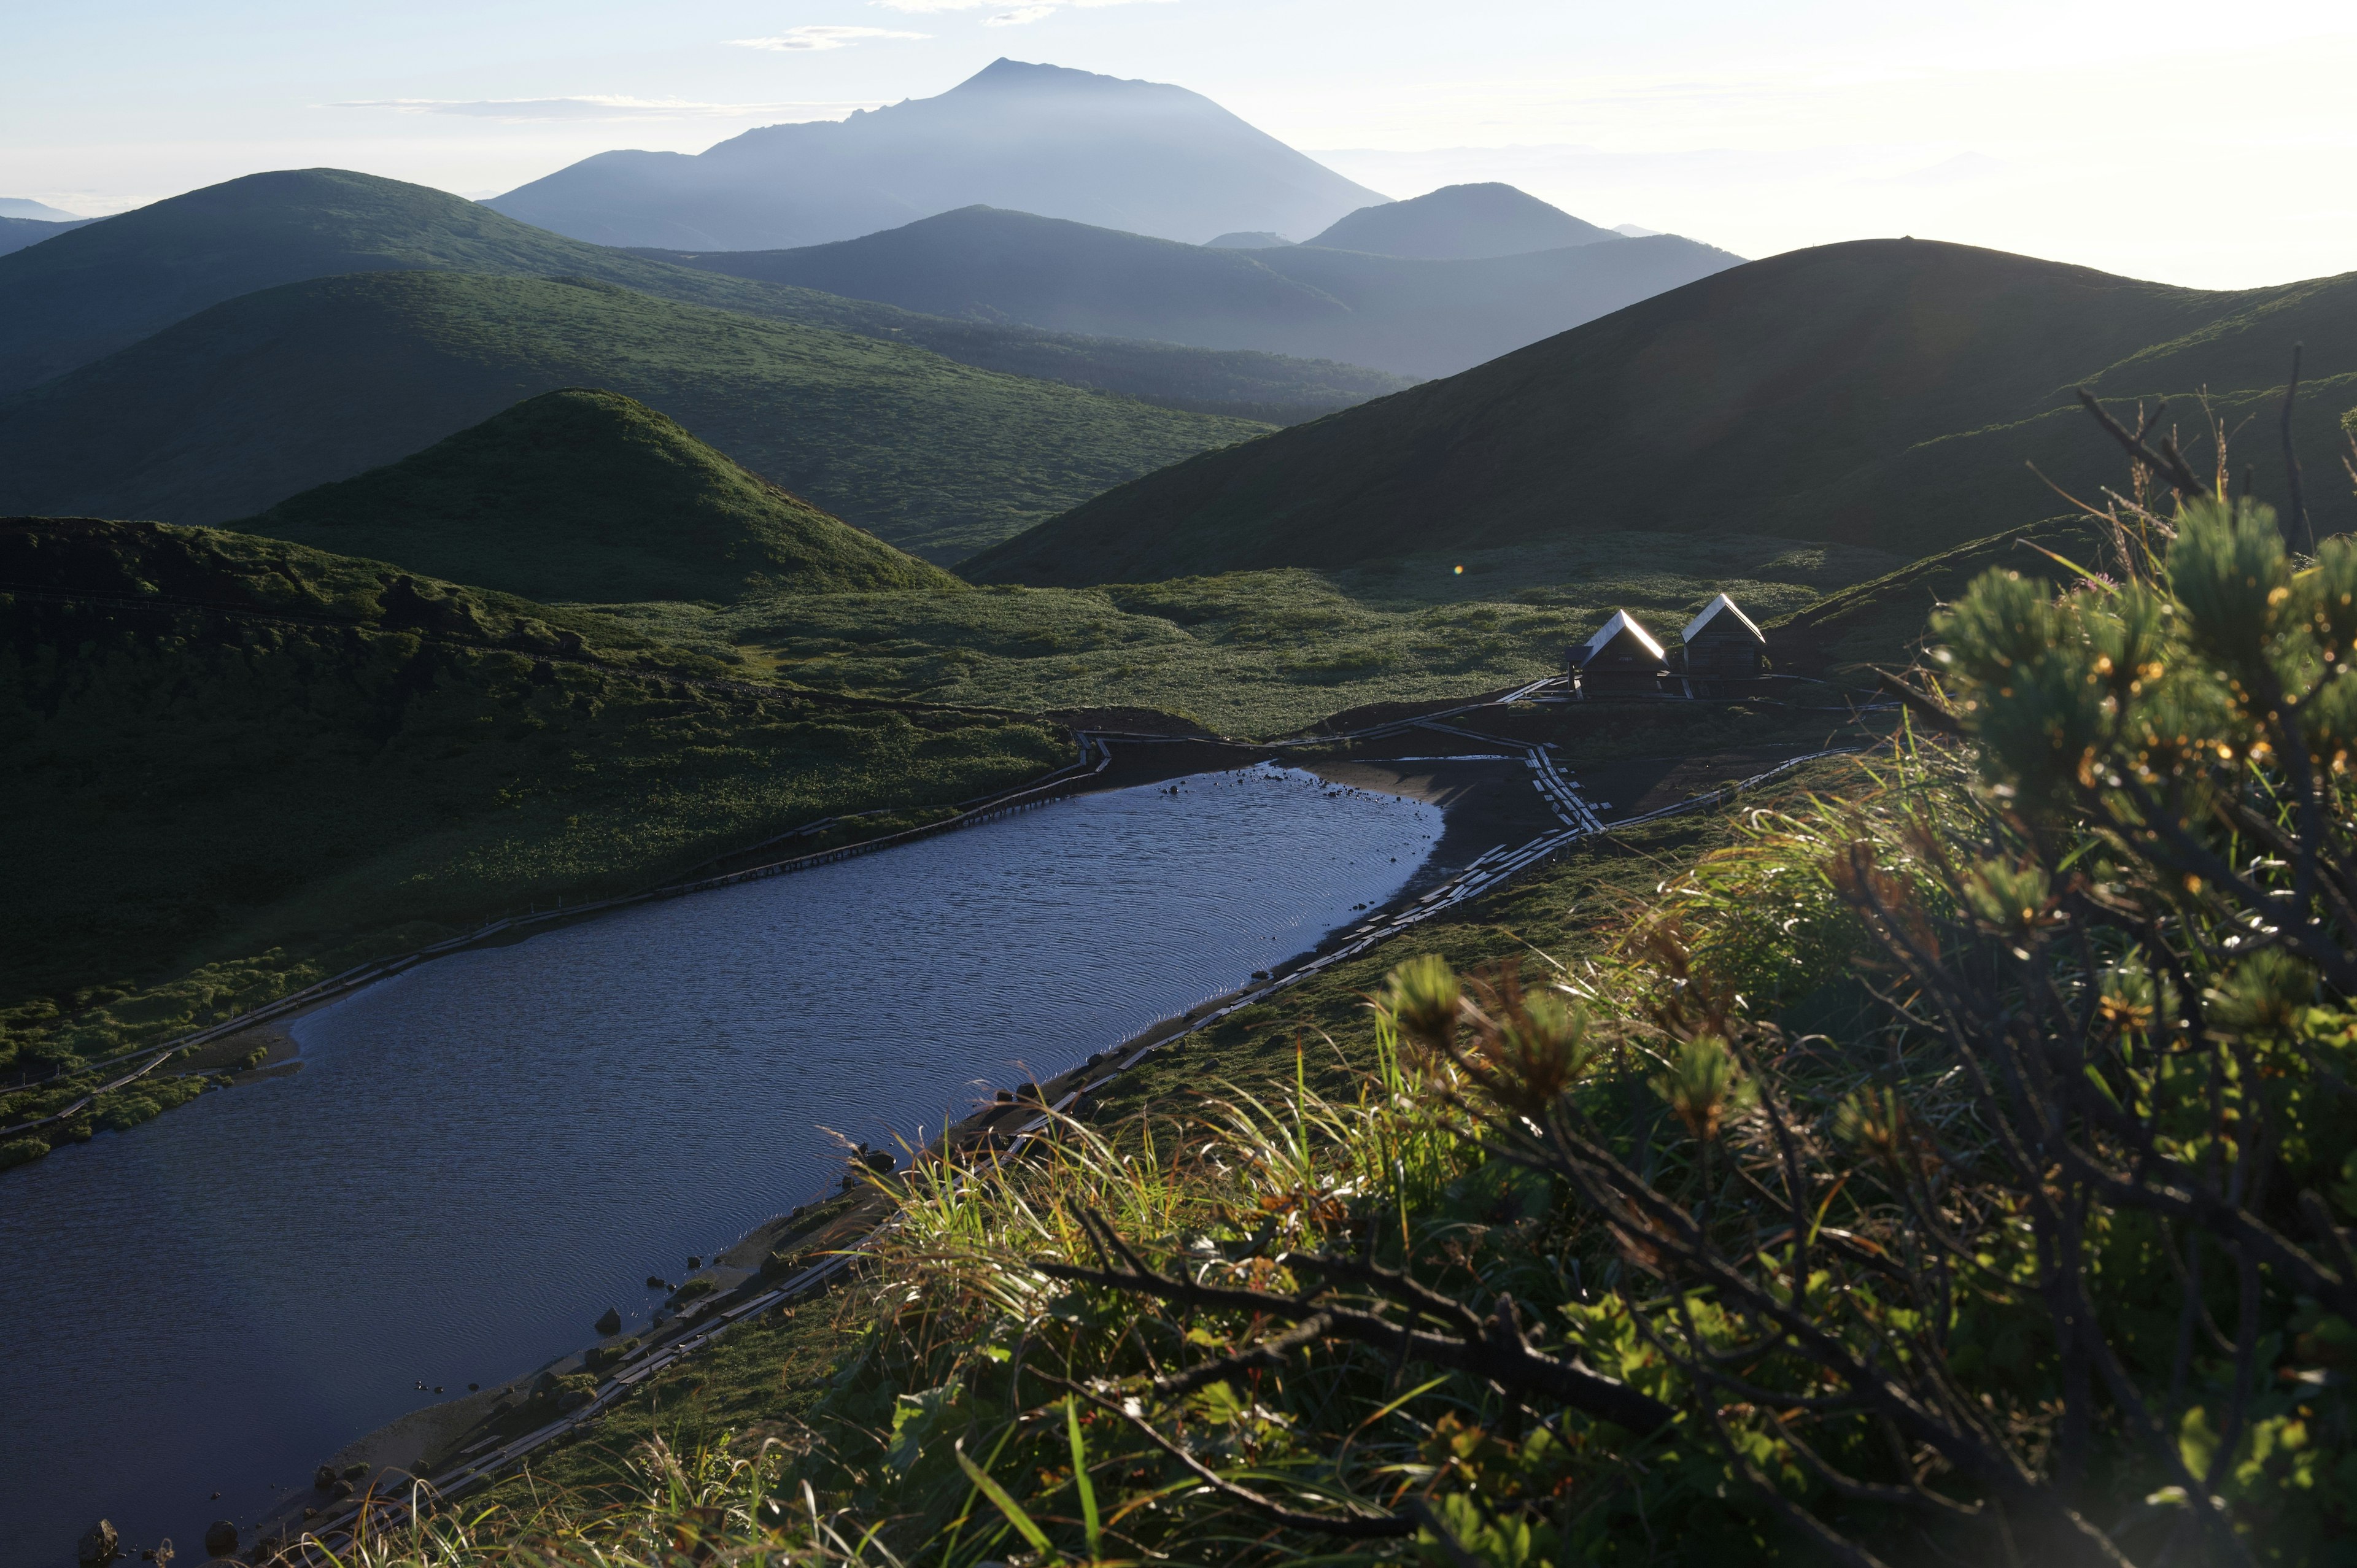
[1620, 660]
[1722, 644]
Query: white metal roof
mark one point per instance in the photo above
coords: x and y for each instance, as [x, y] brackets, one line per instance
[1621, 621]
[1710, 613]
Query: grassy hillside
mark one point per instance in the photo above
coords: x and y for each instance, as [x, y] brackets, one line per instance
[1415, 317]
[143, 270]
[1264, 652]
[246, 403]
[254, 764]
[591, 495]
[1886, 392]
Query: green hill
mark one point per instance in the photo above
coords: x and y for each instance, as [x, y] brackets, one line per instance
[255, 763]
[142, 271]
[1886, 394]
[580, 495]
[1414, 317]
[248, 402]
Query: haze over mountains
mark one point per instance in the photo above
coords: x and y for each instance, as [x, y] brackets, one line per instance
[84, 295]
[1882, 393]
[1411, 316]
[1141, 157]
[15, 233]
[1461, 222]
[243, 404]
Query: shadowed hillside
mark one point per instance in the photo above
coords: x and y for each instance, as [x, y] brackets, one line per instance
[1886, 394]
[1141, 157]
[1414, 317]
[234, 410]
[1462, 223]
[255, 763]
[143, 270]
[15, 233]
[581, 495]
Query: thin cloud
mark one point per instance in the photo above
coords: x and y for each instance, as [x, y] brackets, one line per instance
[1015, 18]
[594, 106]
[822, 37]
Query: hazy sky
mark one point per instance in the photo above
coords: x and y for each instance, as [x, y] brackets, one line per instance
[2209, 145]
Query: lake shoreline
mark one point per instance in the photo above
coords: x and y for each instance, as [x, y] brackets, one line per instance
[1485, 793]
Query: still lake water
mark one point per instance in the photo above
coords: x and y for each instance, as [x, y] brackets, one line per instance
[482, 1154]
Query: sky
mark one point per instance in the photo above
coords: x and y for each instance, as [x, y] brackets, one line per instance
[2200, 145]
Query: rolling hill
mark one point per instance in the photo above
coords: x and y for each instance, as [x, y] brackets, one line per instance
[1410, 318]
[242, 405]
[140, 271]
[255, 763]
[589, 496]
[1461, 222]
[1134, 155]
[1883, 392]
[16, 233]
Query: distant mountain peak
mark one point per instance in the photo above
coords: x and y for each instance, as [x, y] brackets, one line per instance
[1462, 223]
[1003, 74]
[1146, 157]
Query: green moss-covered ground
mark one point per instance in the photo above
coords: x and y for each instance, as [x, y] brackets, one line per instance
[255, 765]
[1260, 652]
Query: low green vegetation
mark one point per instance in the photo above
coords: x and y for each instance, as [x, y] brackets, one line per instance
[256, 764]
[589, 495]
[234, 409]
[1883, 392]
[163, 263]
[1261, 652]
[1953, 1162]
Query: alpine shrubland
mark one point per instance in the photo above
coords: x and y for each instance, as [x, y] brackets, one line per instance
[1956, 1166]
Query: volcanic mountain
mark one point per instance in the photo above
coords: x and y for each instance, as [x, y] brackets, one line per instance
[1136, 155]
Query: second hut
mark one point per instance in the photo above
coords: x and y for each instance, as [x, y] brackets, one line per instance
[1722, 644]
[1620, 660]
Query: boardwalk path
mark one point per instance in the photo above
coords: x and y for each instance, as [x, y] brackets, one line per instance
[856, 1233]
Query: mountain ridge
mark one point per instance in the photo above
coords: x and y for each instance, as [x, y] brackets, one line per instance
[1146, 158]
[1461, 222]
[140, 271]
[232, 410]
[1409, 317]
[583, 495]
[1882, 393]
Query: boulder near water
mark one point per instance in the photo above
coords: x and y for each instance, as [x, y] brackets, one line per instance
[611, 1323]
[98, 1543]
[220, 1538]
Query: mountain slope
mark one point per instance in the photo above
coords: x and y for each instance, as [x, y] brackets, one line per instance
[1135, 156]
[246, 403]
[580, 495]
[134, 275]
[1461, 222]
[1411, 317]
[1883, 392]
[254, 764]
[16, 233]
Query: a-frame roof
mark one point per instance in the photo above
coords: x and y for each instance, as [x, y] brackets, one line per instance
[1621, 621]
[1720, 605]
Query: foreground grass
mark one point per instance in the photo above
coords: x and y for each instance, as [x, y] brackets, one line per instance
[1256, 652]
[256, 764]
[771, 1378]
